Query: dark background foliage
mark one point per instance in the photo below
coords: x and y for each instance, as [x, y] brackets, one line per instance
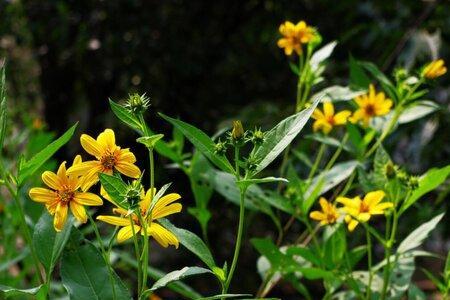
[207, 62]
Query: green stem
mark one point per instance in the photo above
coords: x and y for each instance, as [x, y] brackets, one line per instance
[238, 241]
[369, 263]
[316, 162]
[388, 247]
[336, 154]
[136, 252]
[104, 254]
[143, 260]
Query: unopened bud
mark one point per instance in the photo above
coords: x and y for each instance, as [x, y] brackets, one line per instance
[137, 103]
[238, 131]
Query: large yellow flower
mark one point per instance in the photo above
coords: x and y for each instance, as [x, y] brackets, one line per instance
[63, 193]
[361, 210]
[294, 36]
[434, 69]
[109, 157]
[328, 215]
[371, 105]
[162, 208]
[327, 119]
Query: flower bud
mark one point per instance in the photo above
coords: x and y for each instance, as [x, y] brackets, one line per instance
[238, 131]
[220, 148]
[137, 104]
[133, 194]
[390, 170]
[257, 137]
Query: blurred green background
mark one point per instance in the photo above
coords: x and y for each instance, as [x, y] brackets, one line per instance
[209, 62]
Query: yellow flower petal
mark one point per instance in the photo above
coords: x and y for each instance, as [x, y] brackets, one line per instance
[82, 168]
[60, 216]
[107, 140]
[118, 221]
[42, 195]
[77, 160]
[91, 146]
[351, 203]
[166, 210]
[90, 178]
[127, 232]
[373, 198]
[317, 114]
[317, 215]
[341, 117]
[126, 156]
[88, 199]
[328, 109]
[78, 211]
[51, 180]
[363, 217]
[352, 225]
[128, 169]
[163, 236]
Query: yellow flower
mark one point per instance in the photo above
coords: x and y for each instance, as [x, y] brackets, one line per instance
[63, 193]
[327, 119]
[109, 157]
[328, 215]
[162, 208]
[361, 210]
[371, 105]
[434, 69]
[294, 36]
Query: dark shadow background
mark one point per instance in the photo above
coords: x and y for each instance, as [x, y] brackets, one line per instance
[206, 62]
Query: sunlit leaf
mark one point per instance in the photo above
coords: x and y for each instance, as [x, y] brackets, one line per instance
[178, 275]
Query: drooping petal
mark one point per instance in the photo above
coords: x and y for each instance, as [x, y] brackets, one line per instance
[128, 169]
[167, 199]
[78, 211]
[163, 236]
[42, 195]
[352, 225]
[90, 199]
[90, 178]
[127, 232]
[91, 146]
[164, 211]
[60, 216]
[118, 221]
[51, 180]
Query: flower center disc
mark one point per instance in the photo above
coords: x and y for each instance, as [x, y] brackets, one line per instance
[370, 110]
[65, 195]
[363, 208]
[108, 161]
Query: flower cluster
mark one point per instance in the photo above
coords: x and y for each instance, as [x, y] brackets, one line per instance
[355, 210]
[68, 188]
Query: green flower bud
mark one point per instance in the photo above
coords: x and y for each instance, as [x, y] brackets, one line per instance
[237, 134]
[137, 104]
[220, 148]
[257, 137]
[132, 194]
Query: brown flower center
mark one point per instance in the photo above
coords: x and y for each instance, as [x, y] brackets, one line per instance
[331, 218]
[65, 195]
[330, 120]
[108, 161]
[370, 110]
[363, 208]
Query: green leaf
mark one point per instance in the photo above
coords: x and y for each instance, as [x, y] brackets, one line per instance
[85, 275]
[279, 137]
[192, 242]
[225, 296]
[325, 139]
[414, 293]
[305, 253]
[358, 77]
[48, 243]
[202, 142]
[3, 108]
[178, 275]
[338, 93]
[436, 281]
[384, 81]
[150, 141]
[332, 177]
[11, 291]
[355, 138]
[416, 238]
[427, 182]
[28, 168]
[125, 116]
[321, 55]
[335, 248]
[355, 255]
[262, 180]
[418, 110]
[115, 187]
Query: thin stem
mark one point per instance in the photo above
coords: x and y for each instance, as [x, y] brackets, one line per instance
[336, 154]
[388, 248]
[144, 256]
[316, 162]
[369, 263]
[136, 252]
[238, 240]
[104, 254]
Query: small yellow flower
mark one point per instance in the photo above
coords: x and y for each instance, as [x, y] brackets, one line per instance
[109, 157]
[361, 210]
[63, 193]
[434, 69]
[371, 105]
[162, 208]
[327, 119]
[328, 215]
[294, 36]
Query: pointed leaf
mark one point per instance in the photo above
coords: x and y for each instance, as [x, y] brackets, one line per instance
[178, 275]
[115, 187]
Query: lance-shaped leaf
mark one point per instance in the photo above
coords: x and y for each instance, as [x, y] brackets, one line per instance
[178, 275]
[28, 168]
[9, 291]
[202, 143]
[115, 187]
[279, 137]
